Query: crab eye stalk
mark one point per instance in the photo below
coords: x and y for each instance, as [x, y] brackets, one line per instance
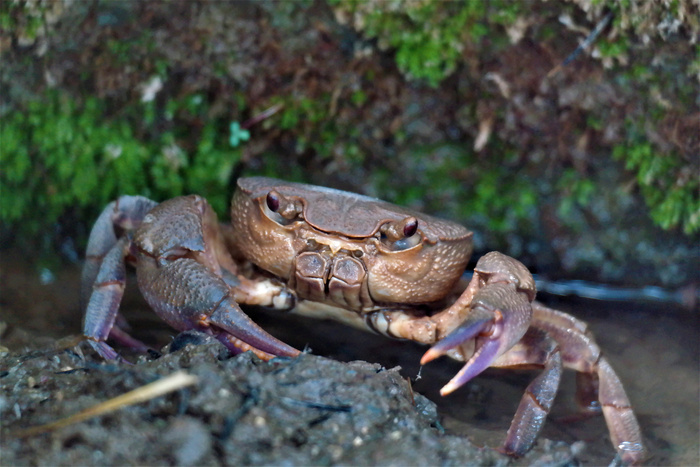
[281, 209]
[400, 235]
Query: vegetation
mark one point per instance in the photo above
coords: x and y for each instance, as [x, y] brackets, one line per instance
[670, 189]
[60, 155]
[392, 109]
[428, 38]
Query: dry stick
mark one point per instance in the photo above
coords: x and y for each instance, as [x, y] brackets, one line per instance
[177, 380]
[262, 116]
[584, 45]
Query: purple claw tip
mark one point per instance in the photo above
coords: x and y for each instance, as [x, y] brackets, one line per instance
[479, 362]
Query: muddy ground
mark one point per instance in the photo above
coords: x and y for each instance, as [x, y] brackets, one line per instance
[329, 406]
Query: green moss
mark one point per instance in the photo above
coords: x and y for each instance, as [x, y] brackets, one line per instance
[358, 98]
[576, 192]
[666, 177]
[616, 48]
[429, 37]
[315, 129]
[450, 181]
[23, 19]
[60, 155]
[121, 50]
[694, 65]
[672, 194]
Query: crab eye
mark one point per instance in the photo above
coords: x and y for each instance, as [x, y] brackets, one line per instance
[400, 235]
[410, 228]
[280, 209]
[273, 201]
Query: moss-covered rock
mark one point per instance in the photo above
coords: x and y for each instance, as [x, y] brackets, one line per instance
[469, 110]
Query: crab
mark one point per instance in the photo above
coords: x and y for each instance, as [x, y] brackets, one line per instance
[326, 253]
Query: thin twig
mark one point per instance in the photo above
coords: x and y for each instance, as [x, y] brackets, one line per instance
[262, 116]
[584, 45]
[150, 391]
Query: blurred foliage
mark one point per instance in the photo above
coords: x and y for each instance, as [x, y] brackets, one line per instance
[671, 189]
[26, 18]
[496, 198]
[661, 150]
[429, 40]
[427, 37]
[664, 18]
[315, 130]
[60, 155]
[576, 191]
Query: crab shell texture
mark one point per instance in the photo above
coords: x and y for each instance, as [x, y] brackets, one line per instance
[349, 223]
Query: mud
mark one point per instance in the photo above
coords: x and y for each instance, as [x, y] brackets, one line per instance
[308, 410]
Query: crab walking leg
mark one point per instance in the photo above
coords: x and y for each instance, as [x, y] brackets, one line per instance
[126, 213]
[581, 353]
[107, 292]
[207, 304]
[536, 348]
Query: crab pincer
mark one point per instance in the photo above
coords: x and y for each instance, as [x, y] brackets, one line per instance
[499, 318]
[497, 333]
[207, 306]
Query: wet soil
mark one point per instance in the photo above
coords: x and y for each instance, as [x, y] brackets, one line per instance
[330, 406]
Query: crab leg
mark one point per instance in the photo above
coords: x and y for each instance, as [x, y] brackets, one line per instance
[126, 213]
[103, 306]
[537, 349]
[581, 353]
[104, 275]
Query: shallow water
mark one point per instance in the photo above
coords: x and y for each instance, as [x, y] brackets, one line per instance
[654, 348]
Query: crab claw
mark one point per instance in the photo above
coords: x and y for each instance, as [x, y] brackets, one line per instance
[242, 334]
[498, 318]
[485, 330]
[207, 304]
[481, 360]
[210, 307]
[186, 274]
[473, 326]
